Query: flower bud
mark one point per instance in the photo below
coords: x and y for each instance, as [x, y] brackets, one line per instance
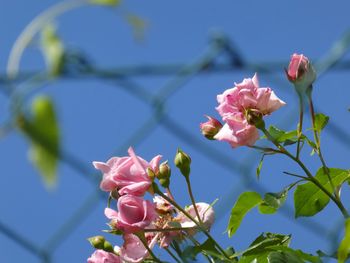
[183, 162]
[300, 71]
[150, 173]
[100, 242]
[210, 128]
[164, 174]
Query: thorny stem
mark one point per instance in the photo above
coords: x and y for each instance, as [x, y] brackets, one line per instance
[193, 220]
[307, 172]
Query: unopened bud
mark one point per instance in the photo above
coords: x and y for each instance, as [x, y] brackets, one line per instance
[99, 242]
[300, 72]
[210, 128]
[183, 162]
[164, 174]
[151, 173]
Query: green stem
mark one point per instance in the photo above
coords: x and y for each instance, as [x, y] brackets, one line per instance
[196, 243]
[318, 143]
[193, 220]
[308, 173]
[300, 126]
[189, 188]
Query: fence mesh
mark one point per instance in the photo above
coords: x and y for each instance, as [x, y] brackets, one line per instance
[123, 78]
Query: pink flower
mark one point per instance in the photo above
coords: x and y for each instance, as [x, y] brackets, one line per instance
[127, 174]
[134, 214]
[206, 213]
[210, 128]
[300, 71]
[101, 256]
[133, 251]
[237, 106]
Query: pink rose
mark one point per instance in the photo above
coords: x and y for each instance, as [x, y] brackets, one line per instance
[101, 256]
[236, 105]
[127, 174]
[133, 251]
[134, 213]
[206, 213]
[210, 128]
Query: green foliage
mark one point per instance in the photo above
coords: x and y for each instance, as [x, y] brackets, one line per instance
[344, 247]
[321, 121]
[105, 2]
[270, 247]
[272, 202]
[43, 133]
[207, 248]
[309, 199]
[283, 257]
[246, 201]
[258, 251]
[53, 50]
[280, 136]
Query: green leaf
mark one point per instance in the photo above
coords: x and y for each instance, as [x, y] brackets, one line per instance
[246, 201]
[207, 248]
[53, 50]
[272, 202]
[344, 247]
[300, 254]
[283, 136]
[258, 251]
[43, 132]
[105, 2]
[309, 199]
[283, 257]
[321, 121]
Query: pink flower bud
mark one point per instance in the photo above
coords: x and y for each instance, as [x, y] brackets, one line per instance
[210, 128]
[300, 71]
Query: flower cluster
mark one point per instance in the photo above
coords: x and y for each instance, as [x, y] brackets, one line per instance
[242, 108]
[143, 223]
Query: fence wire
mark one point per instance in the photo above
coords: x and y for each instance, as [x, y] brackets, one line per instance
[123, 78]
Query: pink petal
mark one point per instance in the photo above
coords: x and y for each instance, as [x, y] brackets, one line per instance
[101, 166]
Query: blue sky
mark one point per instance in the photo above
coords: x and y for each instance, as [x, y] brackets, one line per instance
[97, 116]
